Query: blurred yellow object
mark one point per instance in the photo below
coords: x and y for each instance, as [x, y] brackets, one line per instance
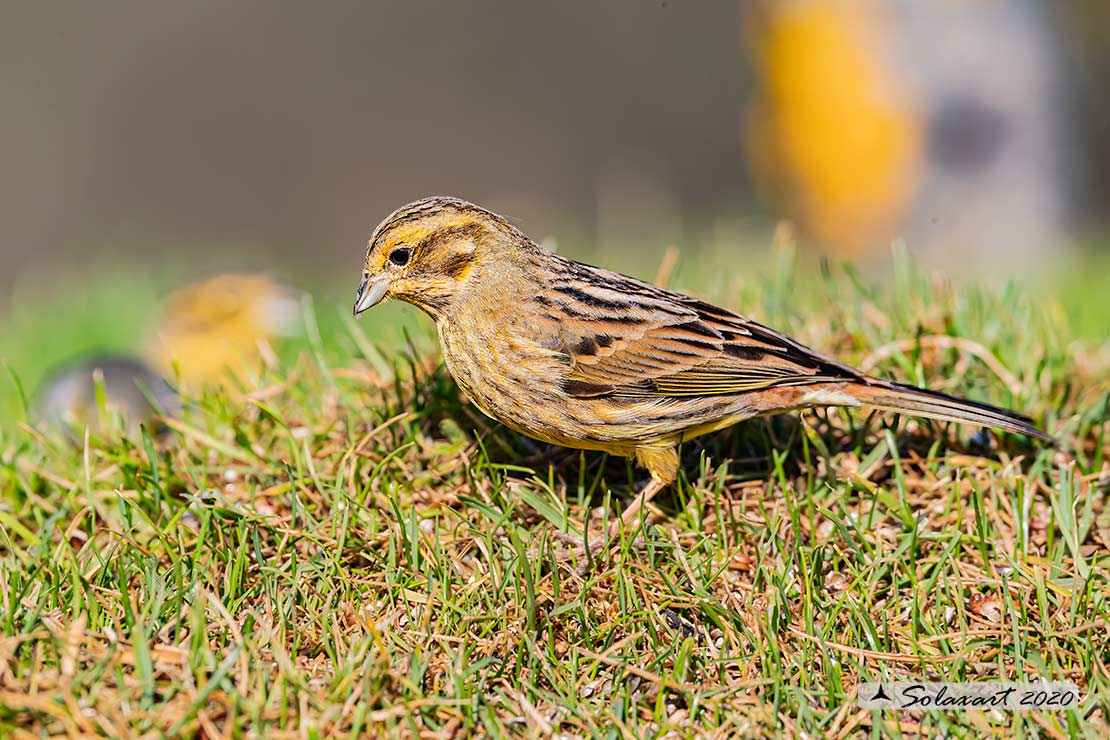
[832, 131]
[204, 331]
[221, 325]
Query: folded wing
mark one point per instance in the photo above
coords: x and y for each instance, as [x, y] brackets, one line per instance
[627, 338]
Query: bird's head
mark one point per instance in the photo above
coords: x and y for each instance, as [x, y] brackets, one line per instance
[426, 253]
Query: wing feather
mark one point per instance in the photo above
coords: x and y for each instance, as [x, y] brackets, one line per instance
[625, 337]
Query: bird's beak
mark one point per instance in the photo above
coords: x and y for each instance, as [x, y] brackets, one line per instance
[370, 293]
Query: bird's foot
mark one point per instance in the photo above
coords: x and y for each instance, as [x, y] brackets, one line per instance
[588, 553]
[584, 553]
[631, 520]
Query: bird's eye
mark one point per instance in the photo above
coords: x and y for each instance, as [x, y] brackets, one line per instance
[400, 256]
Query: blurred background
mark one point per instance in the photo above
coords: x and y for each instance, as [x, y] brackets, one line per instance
[149, 144]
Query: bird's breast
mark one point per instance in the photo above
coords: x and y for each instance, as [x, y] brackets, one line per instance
[509, 374]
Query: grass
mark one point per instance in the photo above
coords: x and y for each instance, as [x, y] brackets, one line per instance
[349, 548]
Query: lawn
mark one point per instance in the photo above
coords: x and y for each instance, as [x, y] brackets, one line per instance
[349, 547]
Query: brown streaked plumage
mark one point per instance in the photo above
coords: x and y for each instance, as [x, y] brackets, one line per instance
[583, 357]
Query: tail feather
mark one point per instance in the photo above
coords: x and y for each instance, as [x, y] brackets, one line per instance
[906, 399]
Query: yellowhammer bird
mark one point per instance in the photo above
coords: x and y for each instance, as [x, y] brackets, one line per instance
[583, 357]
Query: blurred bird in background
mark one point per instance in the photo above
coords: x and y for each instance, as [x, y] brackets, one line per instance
[206, 333]
[223, 325]
[938, 122]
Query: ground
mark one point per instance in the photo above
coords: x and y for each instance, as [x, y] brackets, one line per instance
[348, 547]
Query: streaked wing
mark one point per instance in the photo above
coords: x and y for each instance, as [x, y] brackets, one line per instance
[627, 338]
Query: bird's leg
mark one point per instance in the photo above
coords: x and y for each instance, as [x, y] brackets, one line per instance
[629, 517]
[662, 462]
[631, 513]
